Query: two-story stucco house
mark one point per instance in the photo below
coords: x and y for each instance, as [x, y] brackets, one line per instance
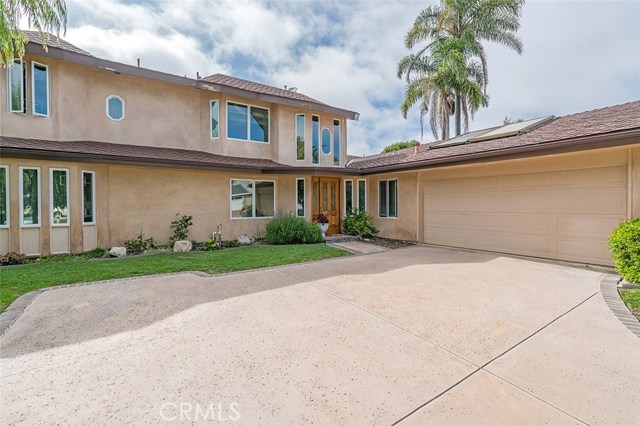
[95, 151]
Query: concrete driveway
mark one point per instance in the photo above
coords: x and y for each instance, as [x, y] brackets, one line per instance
[412, 336]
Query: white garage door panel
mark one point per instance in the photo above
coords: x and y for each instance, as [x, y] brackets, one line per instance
[563, 214]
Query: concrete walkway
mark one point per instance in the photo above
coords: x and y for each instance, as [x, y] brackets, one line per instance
[411, 336]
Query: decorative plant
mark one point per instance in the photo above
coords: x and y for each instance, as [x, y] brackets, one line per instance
[321, 218]
[624, 244]
[140, 244]
[180, 228]
[288, 229]
[211, 245]
[358, 223]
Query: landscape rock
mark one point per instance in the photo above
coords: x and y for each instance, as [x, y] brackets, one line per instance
[244, 240]
[182, 246]
[118, 251]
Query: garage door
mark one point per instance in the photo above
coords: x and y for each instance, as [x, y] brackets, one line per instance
[557, 214]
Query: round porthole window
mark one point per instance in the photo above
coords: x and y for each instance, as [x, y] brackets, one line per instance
[115, 108]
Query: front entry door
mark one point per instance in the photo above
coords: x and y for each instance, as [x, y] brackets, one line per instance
[327, 191]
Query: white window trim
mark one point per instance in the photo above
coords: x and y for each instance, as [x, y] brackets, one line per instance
[304, 133]
[344, 209]
[51, 221]
[211, 118]
[107, 107]
[333, 135]
[93, 195]
[7, 197]
[330, 142]
[358, 194]
[33, 92]
[304, 197]
[21, 199]
[319, 138]
[249, 106]
[253, 199]
[387, 183]
[22, 87]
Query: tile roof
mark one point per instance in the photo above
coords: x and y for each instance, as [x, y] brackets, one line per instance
[252, 86]
[54, 41]
[590, 123]
[132, 153]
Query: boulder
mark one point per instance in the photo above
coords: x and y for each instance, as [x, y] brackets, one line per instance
[118, 251]
[244, 240]
[182, 245]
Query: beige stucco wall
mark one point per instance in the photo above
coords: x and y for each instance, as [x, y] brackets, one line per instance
[405, 226]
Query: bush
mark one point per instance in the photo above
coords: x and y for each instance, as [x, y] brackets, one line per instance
[180, 228]
[140, 244]
[210, 245]
[289, 229]
[12, 258]
[95, 253]
[624, 244]
[358, 223]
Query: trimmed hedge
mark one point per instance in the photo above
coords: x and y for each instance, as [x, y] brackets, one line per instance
[624, 244]
[289, 229]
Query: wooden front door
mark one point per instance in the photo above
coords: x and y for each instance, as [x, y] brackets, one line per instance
[326, 199]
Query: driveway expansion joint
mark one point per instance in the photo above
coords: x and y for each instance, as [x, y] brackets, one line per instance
[609, 291]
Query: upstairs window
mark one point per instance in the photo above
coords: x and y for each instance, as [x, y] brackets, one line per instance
[300, 136]
[40, 89]
[215, 119]
[247, 122]
[315, 141]
[388, 198]
[16, 87]
[326, 141]
[336, 142]
[115, 108]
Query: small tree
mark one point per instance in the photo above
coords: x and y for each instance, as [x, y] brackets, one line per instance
[399, 145]
[358, 223]
[180, 228]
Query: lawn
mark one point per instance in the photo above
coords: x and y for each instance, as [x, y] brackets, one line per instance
[632, 299]
[18, 280]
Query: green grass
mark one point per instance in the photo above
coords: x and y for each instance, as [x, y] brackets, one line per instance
[18, 280]
[632, 298]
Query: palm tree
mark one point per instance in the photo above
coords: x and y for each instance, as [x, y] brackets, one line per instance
[43, 15]
[468, 23]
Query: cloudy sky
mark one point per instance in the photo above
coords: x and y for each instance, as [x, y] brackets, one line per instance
[578, 55]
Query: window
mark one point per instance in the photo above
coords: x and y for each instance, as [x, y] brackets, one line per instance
[215, 119]
[115, 108]
[4, 196]
[388, 198]
[247, 122]
[88, 198]
[40, 89]
[16, 80]
[300, 136]
[30, 196]
[59, 197]
[336, 142]
[251, 199]
[315, 139]
[362, 194]
[348, 196]
[300, 197]
[326, 141]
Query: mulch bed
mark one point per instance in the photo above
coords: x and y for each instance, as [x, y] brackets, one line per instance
[389, 243]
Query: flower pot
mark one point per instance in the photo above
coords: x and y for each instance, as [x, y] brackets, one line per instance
[323, 228]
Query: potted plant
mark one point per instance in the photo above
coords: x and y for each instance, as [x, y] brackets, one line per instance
[323, 222]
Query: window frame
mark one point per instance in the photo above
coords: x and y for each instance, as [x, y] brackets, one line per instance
[51, 204]
[21, 197]
[358, 195]
[23, 88]
[253, 199]
[337, 122]
[211, 101]
[304, 197]
[107, 107]
[33, 91]
[304, 136]
[93, 195]
[7, 197]
[345, 195]
[316, 135]
[388, 201]
[249, 107]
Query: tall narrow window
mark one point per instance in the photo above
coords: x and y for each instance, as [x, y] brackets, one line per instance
[326, 141]
[388, 198]
[315, 139]
[40, 89]
[336, 142]
[348, 196]
[88, 198]
[215, 119]
[16, 87]
[59, 196]
[300, 136]
[362, 194]
[300, 197]
[4, 196]
[30, 196]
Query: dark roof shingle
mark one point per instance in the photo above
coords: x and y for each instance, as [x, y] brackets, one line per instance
[54, 41]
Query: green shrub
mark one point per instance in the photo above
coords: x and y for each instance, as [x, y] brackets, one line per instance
[289, 229]
[95, 253]
[140, 244]
[12, 258]
[211, 245]
[358, 223]
[624, 244]
[180, 228]
[230, 244]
